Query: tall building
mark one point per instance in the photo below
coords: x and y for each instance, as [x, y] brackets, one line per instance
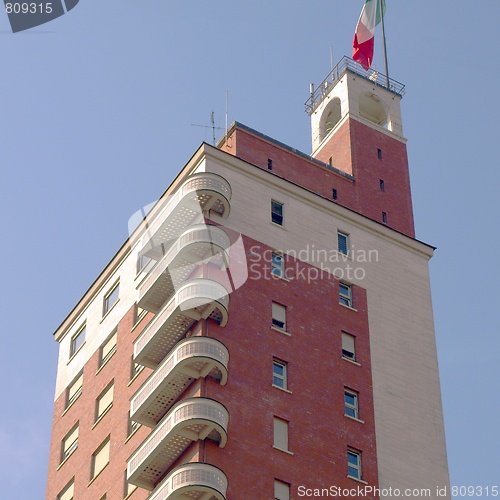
[267, 329]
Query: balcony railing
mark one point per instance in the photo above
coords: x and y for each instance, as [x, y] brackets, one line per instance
[194, 246]
[190, 359]
[195, 300]
[192, 480]
[199, 194]
[189, 420]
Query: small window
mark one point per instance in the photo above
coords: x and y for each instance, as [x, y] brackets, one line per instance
[144, 264]
[345, 297]
[382, 185]
[334, 194]
[136, 369]
[68, 493]
[277, 212]
[384, 217]
[354, 464]
[104, 401]
[77, 340]
[129, 488]
[281, 490]
[343, 242]
[139, 313]
[348, 350]
[269, 164]
[379, 153]
[280, 434]
[278, 265]
[108, 349]
[100, 458]
[132, 425]
[74, 390]
[279, 316]
[351, 403]
[111, 298]
[69, 443]
[279, 374]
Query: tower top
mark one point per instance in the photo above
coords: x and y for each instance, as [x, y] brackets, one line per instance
[350, 91]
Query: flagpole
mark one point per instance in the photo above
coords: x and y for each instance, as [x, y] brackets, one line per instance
[384, 45]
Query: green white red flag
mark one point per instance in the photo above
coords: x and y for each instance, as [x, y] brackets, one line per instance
[364, 36]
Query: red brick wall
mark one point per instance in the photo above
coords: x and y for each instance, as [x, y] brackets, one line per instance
[353, 149]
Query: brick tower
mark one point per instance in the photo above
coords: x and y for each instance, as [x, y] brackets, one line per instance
[267, 329]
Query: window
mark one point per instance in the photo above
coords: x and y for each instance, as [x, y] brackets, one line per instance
[348, 350]
[104, 401]
[334, 194]
[108, 349]
[129, 488]
[69, 443]
[100, 459]
[136, 369]
[132, 425]
[279, 374]
[280, 434]
[139, 313]
[382, 185]
[279, 316]
[74, 390]
[379, 153]
[281, 490]
[111, 298]
[144, 264]
[77, 340]
[277, 212]
[354, 464]
[68, 492]
[384, 217]
[269, 164]
[351, 403]
[278, 265]
[343, 242]
[345, 297]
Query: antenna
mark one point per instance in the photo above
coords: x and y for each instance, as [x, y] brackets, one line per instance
[212, 126]
[227, 111]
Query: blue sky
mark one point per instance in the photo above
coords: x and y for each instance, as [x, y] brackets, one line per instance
[96, 115]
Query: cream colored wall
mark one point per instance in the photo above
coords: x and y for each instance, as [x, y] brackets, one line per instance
[408, 413]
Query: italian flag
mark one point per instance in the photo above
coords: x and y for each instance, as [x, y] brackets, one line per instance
[362, 44]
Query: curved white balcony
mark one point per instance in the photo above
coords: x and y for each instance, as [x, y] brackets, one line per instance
[195, 300]
[192, 480]
[192, 358]
[199, 194]
[189, 420]
[194, 246]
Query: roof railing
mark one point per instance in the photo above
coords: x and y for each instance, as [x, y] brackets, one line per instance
[346, 63]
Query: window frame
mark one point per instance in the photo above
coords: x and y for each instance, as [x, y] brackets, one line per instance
[283, 377]
[275, 321]
[106, 304]
[102, 446]
[283, 485]
[105, 410]
[280, 268]
[354, 407]
[134, 373]
[64, 491]
[67, 451]
[344, 355]
[75, 346]
[345, 299]
[126, 493]
[104, 359]
[357, 468]
[78, 392]
[277, 217]
[277, 422]
[133, 426]
[347, 241]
